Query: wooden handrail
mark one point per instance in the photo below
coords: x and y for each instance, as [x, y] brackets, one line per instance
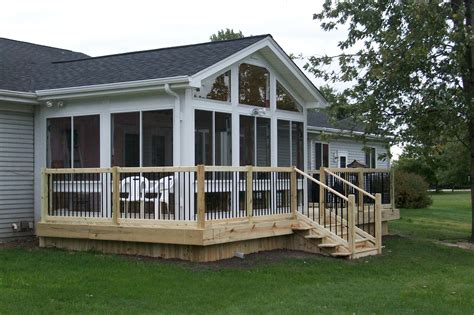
[321, 184]
[350, 184]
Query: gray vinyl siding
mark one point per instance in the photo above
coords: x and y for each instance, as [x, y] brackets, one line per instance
[16, 171]
[353, 148]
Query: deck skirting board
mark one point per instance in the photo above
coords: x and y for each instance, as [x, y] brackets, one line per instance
[185, 252]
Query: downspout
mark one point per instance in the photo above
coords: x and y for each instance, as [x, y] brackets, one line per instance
[176, 125]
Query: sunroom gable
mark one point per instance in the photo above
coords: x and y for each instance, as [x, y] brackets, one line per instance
[268, 49]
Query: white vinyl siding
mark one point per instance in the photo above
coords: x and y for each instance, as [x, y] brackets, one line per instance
[353, 148]
[16, 171]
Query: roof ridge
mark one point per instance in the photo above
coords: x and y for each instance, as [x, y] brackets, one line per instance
[41, 45]
[163, 48]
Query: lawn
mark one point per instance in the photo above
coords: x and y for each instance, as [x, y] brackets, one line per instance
[415, 274]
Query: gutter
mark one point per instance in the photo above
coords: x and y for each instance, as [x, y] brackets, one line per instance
[176, 123]
[348, 133]
[18, 97]
[112, 88]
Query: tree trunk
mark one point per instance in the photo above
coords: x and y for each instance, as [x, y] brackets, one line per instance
[471, 141]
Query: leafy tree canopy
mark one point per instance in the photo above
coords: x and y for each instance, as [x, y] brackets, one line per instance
[226, 34]
[410, 65]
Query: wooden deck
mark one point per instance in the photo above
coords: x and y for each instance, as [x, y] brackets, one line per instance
[260, 209]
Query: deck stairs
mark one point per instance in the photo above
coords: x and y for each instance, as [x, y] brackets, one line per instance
[336, 239]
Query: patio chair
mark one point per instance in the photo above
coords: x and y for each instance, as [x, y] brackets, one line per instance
[164, 187]
[132, 189]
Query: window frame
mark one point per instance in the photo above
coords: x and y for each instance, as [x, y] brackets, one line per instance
[213, 134]
[268, 87]
[140, 124]
[215, 75]
[255, 139]
[323, 143]
[290, 130]
[71, 157]
[368, 151]
[297, 102]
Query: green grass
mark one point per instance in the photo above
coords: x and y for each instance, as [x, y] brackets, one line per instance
[414, 275]
[449, 218]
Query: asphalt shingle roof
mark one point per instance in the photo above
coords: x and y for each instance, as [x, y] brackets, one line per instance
[30, 67]
[20, 60]
[322, 120]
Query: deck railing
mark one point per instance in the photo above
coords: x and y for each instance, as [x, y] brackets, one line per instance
[372, 180]
[193, 194]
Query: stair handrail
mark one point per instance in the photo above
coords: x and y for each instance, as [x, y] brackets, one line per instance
[350, 184]
[321, 184]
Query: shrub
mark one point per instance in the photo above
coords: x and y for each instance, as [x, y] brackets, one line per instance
[411, 190]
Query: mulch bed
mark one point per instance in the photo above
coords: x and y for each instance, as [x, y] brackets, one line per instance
[25, 243]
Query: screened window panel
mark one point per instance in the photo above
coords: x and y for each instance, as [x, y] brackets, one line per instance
[86, 150]
[247, 140]
[126, 139]
[263, 148]
[157, 133]
[58, 142]
[284, 149]
[254, 83]
[223, 139]
[203, 137]
[297, 144]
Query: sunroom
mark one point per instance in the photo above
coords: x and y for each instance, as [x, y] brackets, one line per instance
[217, 157]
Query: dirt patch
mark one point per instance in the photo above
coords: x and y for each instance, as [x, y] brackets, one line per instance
[463, 245]
[24, 243]
[250, 261]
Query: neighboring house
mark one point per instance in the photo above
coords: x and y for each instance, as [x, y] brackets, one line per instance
[229, 103]
[337, 144]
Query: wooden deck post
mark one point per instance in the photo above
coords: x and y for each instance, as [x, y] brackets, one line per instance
[201, 198]
[322, 179]
[44, 195]
[116, 195]
[351, 213]
[294, 193]
[378, 222]
[249, 193]
[361, 186]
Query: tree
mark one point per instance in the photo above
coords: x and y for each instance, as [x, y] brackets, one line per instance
[226, 34]
[410, 65]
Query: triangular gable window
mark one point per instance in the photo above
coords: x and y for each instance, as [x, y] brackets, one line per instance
[285, 101]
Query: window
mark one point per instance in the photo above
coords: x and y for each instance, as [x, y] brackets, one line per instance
[156, 135]
[255, 144]
[215, 88]
[370, 158]
[285, 101]
[157, 146]
[254, 85]
[81, 131]
[290, 143]
[321, 155]
[213, 138]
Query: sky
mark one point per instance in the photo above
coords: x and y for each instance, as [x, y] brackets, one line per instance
[108, 27]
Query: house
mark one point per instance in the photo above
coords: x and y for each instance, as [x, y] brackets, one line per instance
[191, 137]
[337, 144]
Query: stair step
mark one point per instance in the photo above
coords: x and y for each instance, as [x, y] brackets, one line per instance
[314, 236]
[328, 245]
[301, 227]
[367, 249]
[361, 240]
